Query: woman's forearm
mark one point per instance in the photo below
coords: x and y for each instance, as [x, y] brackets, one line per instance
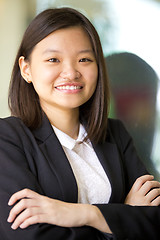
[31, 208]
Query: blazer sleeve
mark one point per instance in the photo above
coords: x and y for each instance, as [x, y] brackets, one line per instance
[15, 174]
[125, 221]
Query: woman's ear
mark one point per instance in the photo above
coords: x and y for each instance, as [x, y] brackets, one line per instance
[25, 69]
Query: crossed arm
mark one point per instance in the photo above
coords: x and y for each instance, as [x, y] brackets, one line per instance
[31, 208]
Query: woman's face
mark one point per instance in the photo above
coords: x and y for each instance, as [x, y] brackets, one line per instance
[62, 69]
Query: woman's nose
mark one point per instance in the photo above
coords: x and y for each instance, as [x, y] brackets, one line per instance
[70, 72]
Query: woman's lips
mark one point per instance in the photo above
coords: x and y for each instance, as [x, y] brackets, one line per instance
[69, 87]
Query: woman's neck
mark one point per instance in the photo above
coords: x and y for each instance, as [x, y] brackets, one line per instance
[65, 120]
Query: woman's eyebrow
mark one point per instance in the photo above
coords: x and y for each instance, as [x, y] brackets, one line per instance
[49, 50]
[86, 51]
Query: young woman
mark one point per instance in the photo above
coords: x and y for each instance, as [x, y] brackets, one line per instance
[66, 170]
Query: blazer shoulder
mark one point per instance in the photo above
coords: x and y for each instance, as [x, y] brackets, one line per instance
[10, 120]
[116, 127]
[117, 133]
[12, 129]
[11, 123]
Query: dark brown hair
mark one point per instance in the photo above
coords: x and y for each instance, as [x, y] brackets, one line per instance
[23, 99]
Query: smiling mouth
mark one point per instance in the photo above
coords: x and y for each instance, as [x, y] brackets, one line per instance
[67, 87]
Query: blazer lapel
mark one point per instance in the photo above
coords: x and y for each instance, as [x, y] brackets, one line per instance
[110, 160]
[54, 154]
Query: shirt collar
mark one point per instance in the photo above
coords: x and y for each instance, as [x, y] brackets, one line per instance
[67, 141]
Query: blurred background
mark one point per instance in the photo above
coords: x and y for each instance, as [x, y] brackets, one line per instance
[130, 36]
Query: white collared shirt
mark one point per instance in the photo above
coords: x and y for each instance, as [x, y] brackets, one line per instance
[93, 184]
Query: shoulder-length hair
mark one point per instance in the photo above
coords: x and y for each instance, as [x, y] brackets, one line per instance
[24, 101]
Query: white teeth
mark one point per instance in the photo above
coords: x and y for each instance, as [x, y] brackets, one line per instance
[68, 87]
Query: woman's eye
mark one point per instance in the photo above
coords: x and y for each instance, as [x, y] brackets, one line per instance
[85, 60]
[53, 60]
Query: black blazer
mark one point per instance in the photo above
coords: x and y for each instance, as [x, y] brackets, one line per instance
[36, 160]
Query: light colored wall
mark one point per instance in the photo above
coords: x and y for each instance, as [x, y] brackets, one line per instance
[14, 17]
